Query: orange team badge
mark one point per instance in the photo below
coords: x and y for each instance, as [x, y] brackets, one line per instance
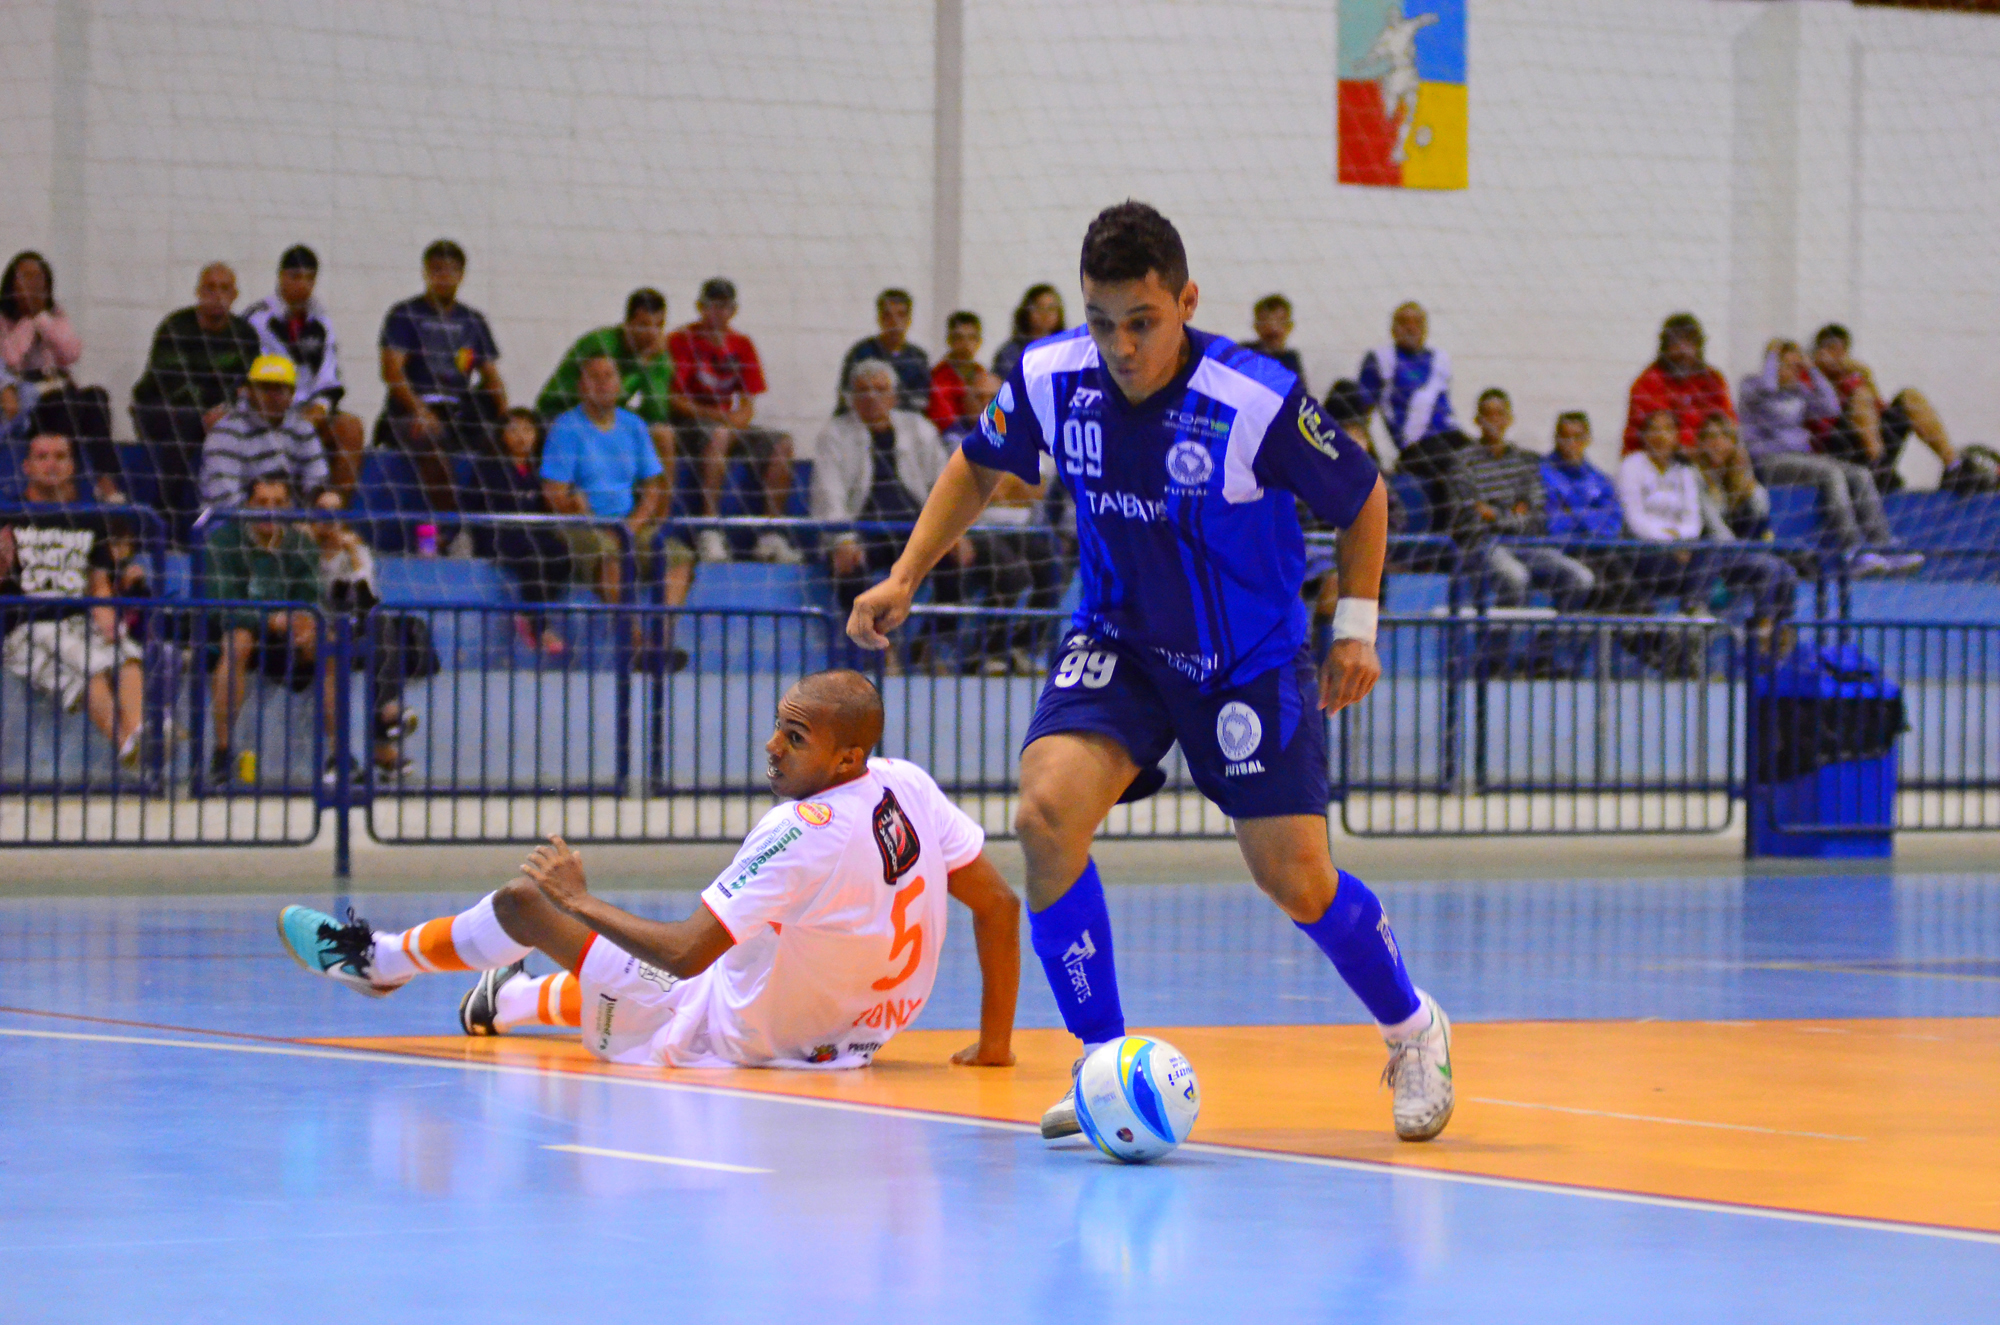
[816, 814]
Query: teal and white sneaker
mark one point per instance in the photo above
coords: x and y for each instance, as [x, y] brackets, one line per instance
[480, 1007]
[1419, 1071]
[320, 943]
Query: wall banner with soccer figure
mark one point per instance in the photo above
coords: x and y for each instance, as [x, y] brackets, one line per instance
[1400, 115]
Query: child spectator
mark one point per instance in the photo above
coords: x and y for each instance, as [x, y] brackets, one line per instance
[38, 346]
[1039, 314]
[1504, 498]
[952, 403]
[395, 647]
[536, 557]
[1271, 317]
[1739, 499]
[1679, 381]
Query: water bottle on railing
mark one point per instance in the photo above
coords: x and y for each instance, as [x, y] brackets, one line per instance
[427, 540]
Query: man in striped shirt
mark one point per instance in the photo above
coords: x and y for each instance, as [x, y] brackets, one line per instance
[266, 435]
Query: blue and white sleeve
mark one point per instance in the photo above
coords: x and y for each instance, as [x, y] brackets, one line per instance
[1307, 456]
[1009, 434]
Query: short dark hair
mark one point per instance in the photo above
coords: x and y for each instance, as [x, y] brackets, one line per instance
[1678, 325]
[52, 435]
[1129, 240]
[1573, 416]
[10, 298]
[1268, 303]
[298, 258]
[1492, 393]
[964, 317]
[645, 299]
[529, 417]
[1832, 331]
[718, 290]
[894, 295]
[440, 249]
[1345, 402]
[275, 479]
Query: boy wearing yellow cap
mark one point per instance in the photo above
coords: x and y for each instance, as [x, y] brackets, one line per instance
[265, 436]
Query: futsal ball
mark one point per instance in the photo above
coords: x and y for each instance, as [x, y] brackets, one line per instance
[1137, 1098]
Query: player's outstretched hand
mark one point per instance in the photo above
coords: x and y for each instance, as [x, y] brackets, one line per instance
[1350, 671]
[877, 611]
[977, 1055]
[557, 870]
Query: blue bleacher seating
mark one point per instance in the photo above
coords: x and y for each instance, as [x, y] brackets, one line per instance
[142, 476]
[1795, 513]
[1415, 503]
[389, 499]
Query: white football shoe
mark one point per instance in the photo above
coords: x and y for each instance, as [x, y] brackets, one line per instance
[1419, 1071]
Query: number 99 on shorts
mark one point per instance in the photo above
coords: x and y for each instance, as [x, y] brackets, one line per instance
[1091, 667]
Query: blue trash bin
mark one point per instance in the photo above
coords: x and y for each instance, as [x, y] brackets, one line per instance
[1823, 729]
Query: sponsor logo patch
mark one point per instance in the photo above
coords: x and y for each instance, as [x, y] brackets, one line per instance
[822, 1053]
[1238, 731]
[763, 857]
[895, 838]
[993, 423]
[1319, 434]
[1086, 397]
[815, 813]
[1073, 958]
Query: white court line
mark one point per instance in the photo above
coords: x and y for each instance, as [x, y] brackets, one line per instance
[1372, 1168]
[1670, 1122]
[675, 1160]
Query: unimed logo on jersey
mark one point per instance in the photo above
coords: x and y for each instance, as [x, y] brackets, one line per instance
[895, 838]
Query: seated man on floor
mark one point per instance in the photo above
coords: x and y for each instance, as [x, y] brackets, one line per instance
[799, 956]
[1870, 432]
[1504, 498]
[599, 463]
[79, 654]
[272, 562]
[194, 373]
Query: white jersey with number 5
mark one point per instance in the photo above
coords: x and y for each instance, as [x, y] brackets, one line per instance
[837, 906]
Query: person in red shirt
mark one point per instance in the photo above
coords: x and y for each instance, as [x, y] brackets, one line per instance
[1679, 381]
[953, 378]
[718, 380]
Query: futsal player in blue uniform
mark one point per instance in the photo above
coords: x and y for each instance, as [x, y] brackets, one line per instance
[1185, 454]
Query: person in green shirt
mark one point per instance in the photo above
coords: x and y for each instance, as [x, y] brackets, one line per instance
[263, 561]
[638, 346]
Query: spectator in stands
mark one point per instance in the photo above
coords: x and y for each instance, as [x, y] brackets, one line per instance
[80, 654]
[877, 462]
[39, 347]
[1678, 380]
[267, 434]
[1408, 383]
[1731, 486]
[440, 362]
[1868, 432]
[1039, 314]
[638, 346]
[1582, 504]
[599, 463]
[398, 648]
[1779, 405]
[293, 322]
[891, 344]
[1504, 498]
[272, 562]
[194, 375]
[535, 557]
[719, 379]
[952, 381]
[1271, 317]
[1661, 494]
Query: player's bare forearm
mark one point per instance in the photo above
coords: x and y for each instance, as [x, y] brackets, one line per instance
[996, 937]
[960, 494]
[681, 948]
[1351, 666]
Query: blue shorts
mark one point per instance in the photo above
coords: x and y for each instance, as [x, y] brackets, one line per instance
[1257, 750]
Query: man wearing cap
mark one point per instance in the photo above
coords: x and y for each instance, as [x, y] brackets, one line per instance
[442, 367]
[719, 379]
[293, 322]
[194, 373]
[266, 436]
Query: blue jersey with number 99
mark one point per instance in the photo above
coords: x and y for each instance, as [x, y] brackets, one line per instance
[1188, 536]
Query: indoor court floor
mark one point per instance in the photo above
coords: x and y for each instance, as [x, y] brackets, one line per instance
[1768, 1099]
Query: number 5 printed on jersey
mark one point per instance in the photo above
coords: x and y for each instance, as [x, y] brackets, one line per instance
[907, 936]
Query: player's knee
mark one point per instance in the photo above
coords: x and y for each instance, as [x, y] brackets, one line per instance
[1041, 821]
[515, 903]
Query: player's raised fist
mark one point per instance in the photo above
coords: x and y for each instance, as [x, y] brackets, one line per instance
[557, 870]
[876, 612]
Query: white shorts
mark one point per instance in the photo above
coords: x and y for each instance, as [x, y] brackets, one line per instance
[61, 656]
[638, 1014]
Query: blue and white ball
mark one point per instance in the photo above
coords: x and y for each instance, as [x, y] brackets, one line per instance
[1137, 1098]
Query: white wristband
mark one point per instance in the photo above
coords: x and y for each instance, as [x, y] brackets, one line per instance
[1354, 618]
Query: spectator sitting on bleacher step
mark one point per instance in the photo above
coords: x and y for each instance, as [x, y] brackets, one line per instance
[441, 366]
[40, 348]
[1409, 383]
[1739, 499]
[1581, 503]
[1680, 381]
[535, 557]
[891, 344]
[265, 435]
[1503, 497]
[1869, 432]
[293, 322]
[1271, 319]
[1780, 403]
[195, 372]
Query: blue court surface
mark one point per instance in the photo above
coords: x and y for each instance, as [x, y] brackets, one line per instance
[174, 1148]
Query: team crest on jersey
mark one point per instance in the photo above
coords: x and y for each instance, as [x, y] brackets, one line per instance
[815, 813]
[895, 838]
[1189, 465]
[1238, 730]
[1319, 434]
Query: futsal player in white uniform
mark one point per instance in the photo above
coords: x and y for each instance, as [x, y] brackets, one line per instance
[816, 945]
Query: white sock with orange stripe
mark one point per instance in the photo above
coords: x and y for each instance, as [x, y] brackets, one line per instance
[472, 940]
[550, 1000]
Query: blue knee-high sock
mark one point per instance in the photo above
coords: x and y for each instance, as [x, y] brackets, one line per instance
[1356, 938]
[1072, 936]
